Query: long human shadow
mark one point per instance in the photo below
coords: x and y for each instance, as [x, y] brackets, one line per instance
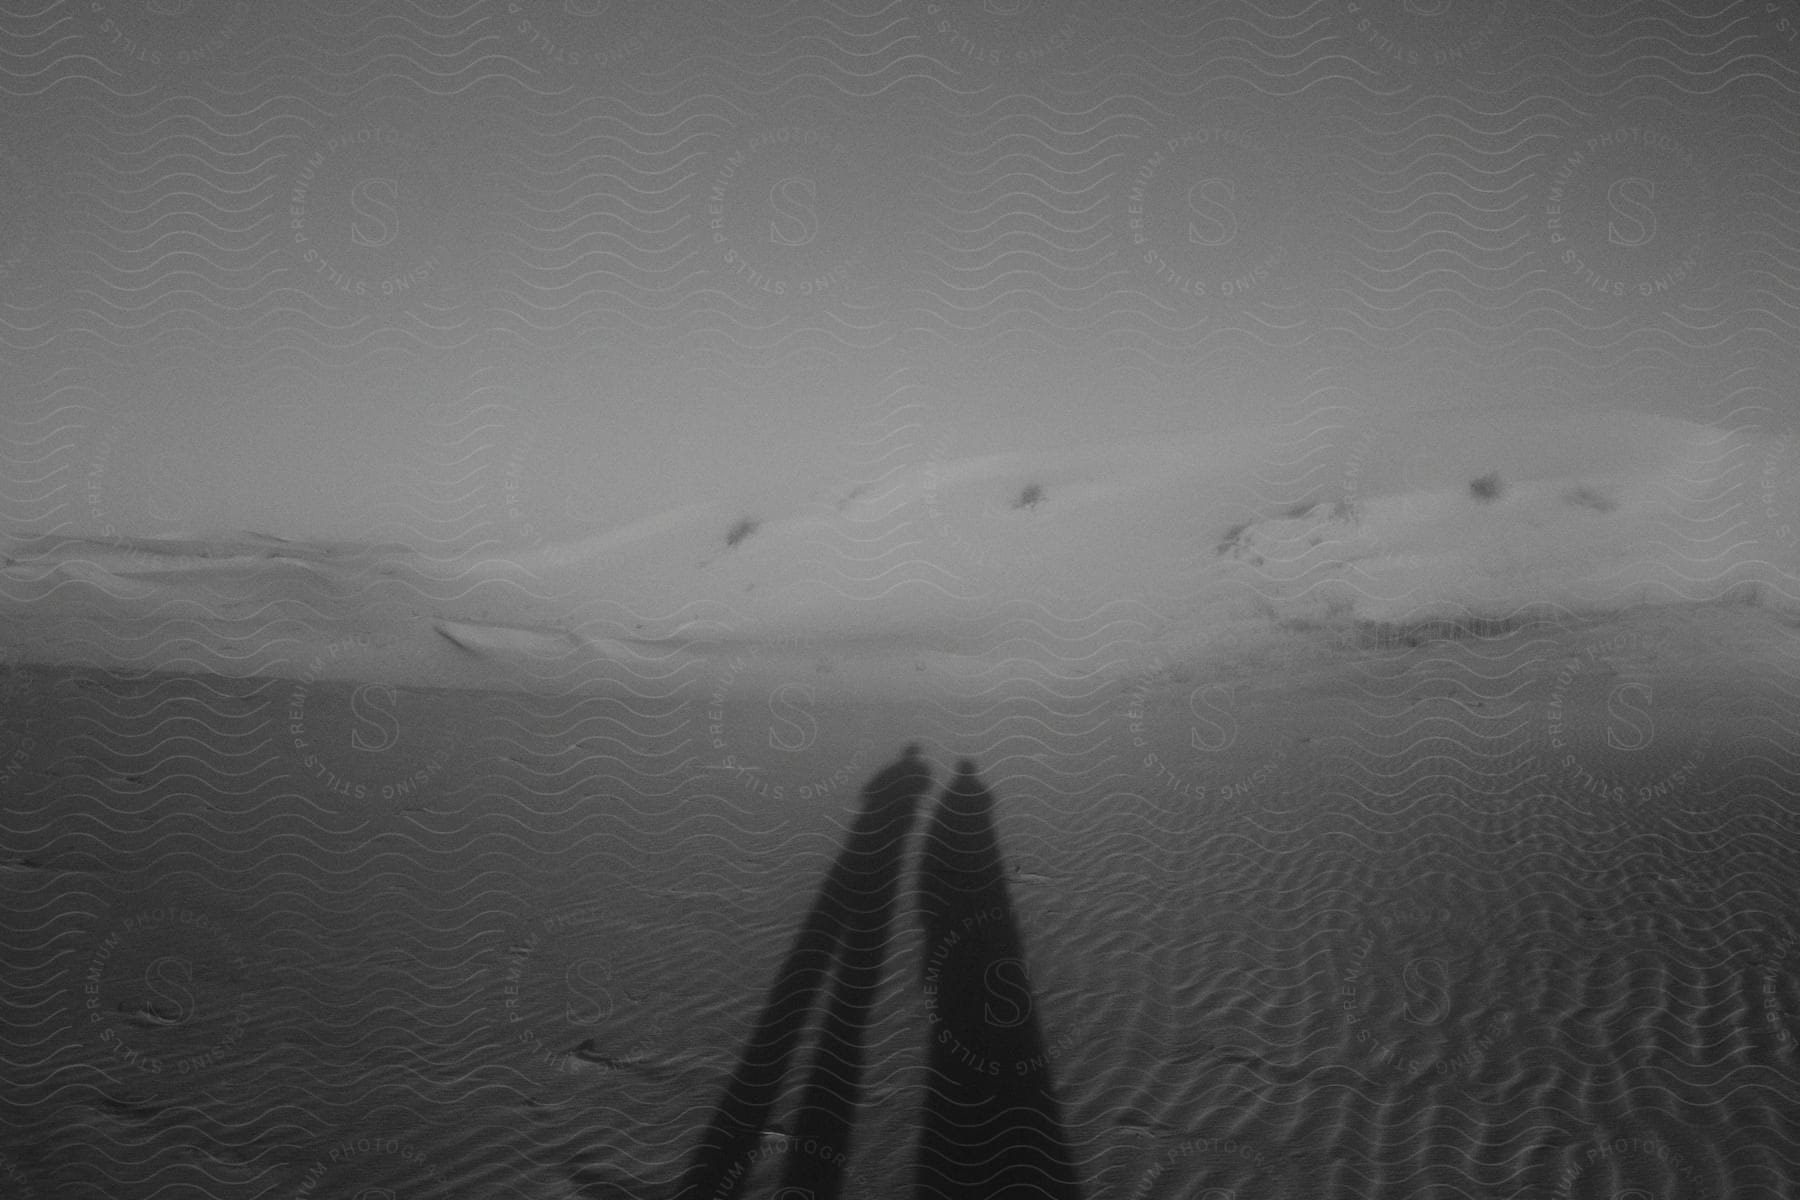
[992, 1126]
[849, 924]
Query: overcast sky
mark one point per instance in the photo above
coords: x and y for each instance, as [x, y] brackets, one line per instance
[452, 273]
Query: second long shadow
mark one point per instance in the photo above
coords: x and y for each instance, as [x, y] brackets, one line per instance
[992, 1126]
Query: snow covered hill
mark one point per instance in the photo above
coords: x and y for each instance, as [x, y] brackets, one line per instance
[1068, 562]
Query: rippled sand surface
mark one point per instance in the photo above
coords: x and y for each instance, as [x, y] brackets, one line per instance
[1501, 917]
